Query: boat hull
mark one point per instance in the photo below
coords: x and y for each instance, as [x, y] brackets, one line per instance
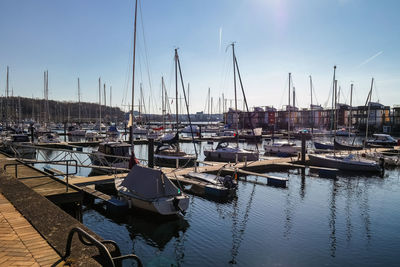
[319, 145]
[336, 163]
[214, 155]
[170, 161]
[282, 150]
[163, 206]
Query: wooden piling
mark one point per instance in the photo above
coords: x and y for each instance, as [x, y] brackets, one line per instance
[303, 148]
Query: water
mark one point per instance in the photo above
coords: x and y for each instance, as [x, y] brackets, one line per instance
[313, 222]
[353, 220]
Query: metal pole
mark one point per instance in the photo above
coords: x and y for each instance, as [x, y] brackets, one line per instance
[150, 153]
[67, 178]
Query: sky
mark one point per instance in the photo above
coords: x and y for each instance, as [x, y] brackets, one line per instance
[94, 38]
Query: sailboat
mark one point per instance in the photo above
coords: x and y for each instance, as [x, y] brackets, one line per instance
[168, 153]
[146, 188]
[284, 148]
[348, 162]
[224, 151]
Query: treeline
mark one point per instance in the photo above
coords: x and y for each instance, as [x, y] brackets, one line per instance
[17, 109]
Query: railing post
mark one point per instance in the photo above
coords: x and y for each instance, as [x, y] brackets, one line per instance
[16, 171]
[67, 177]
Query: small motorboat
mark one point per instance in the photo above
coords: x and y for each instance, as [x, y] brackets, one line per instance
[151, 190]
[112, 155]
[217, 186]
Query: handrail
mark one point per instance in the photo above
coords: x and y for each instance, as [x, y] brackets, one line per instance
[67, 161]
[89, 240]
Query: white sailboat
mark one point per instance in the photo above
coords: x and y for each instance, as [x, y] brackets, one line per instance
[350, 162]
[225, 152]
[283, 148]
[168, 153]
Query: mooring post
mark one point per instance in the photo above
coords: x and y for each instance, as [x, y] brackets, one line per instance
[200, 135]
[303, 148]
[150, 152]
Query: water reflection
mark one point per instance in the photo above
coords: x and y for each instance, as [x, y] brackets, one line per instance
[155, 230]
[238, 228]
[332, 218]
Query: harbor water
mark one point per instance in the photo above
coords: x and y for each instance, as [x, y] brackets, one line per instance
[350, 221]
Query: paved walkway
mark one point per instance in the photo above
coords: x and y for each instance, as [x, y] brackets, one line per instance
[20, 243]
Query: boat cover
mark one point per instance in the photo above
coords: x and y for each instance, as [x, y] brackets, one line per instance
[149, 183]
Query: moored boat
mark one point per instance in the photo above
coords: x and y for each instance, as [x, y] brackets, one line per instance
[381, 140]
[228, 153]
[349, 162]
[151, 190]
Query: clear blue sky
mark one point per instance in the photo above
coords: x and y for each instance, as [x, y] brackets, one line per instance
[93, 38]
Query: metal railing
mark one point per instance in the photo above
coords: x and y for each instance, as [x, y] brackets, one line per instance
[66, 161]
[105, 254]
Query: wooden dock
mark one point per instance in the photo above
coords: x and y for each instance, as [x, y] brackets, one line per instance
[48, 186]
[20, 243]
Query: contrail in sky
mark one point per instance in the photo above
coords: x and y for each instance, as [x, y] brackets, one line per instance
[220, 38]
[369, 59]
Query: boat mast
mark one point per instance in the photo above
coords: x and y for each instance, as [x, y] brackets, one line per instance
[176, 95]
[311, 108]
[333, 93]
[351, 102]
[289, 116]
[334, 133]
[133, 72]
[369, 107]
[236, 121]
[99, 106]
[163, 103]
[79, 101]
[111, 111]
[6, 105]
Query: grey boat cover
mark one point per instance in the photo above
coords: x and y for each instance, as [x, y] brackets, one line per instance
[149, 183]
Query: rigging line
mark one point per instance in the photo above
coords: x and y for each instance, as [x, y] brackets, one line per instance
[245, 101]
[145, 46]
[283, 93]
[186, 102]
